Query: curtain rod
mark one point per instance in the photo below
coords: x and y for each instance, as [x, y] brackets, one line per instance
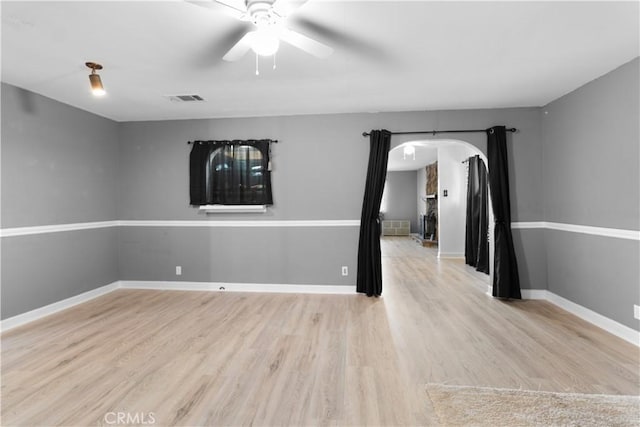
[435, 132]
[275, 141]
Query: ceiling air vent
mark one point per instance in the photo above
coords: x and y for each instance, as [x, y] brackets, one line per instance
[185, 98]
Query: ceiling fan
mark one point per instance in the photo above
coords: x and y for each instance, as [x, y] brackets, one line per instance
[269, 20]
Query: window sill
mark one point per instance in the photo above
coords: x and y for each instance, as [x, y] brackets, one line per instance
[233, 208]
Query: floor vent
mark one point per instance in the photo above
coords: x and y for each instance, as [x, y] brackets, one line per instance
[185, 98]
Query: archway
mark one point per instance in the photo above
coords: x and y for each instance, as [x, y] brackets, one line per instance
[452, 207]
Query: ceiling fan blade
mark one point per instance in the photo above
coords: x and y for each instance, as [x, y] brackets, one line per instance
[209, 54]
[236, 8]
[305, 43]
[230, 8]
[240, 48]
[284, 8]
[341, 37]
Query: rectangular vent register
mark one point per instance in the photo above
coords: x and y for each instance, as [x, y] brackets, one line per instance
[395, 227]
[184, 98]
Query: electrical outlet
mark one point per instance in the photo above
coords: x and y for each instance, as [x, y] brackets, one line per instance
[178, 270]
[345, 270]
[636, 311]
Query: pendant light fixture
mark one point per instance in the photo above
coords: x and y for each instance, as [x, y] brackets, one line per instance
[408, 151]
[96, 83]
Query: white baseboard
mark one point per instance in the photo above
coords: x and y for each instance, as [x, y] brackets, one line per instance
[238, 287]
[531, 293]
[609, 325]
[38, 313]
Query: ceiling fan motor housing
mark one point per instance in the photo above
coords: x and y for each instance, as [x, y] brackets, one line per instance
[261, 12]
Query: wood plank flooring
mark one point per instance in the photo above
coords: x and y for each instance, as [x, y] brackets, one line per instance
[200, 358]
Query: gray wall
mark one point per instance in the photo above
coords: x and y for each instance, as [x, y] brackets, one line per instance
[59, 163]
[400, 197]
[317, 175]
[59, 166]
[86, 168]
[319, 165]
[576, 164]
[41, 269]
[319, 169]
[287, 255]
[591, 177]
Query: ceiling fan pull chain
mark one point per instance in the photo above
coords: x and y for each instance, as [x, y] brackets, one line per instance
[257, 66]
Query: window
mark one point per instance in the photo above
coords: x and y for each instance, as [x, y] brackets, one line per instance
[230, 173]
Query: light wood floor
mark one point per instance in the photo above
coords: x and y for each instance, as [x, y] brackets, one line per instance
[198, 358]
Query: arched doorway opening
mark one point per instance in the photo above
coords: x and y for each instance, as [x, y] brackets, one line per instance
[451, 196]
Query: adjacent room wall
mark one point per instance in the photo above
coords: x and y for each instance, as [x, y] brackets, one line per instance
[59, 166]
[591, 177]
[421, 181]
[400, 197]
[452, 209]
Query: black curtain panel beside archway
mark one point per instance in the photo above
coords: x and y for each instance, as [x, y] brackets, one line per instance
[369, 279]
[476, 248]
[506, 282]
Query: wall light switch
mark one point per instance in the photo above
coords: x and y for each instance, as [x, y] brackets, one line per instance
[446, 193]
[178, 270]
[345, 270]
[636, 311]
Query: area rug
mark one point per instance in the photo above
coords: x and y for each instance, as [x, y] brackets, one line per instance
[483, 406]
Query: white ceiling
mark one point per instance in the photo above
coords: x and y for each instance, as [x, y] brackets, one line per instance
[389, 56]
[425, 155]
[426, 151]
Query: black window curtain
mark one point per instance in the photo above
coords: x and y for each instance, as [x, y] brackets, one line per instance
[230, 173]
[476, 248]
[506, 282]
[369, 280]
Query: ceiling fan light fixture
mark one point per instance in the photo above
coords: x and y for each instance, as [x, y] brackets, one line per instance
[94, 79]
[265, 42]
[269, 18]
